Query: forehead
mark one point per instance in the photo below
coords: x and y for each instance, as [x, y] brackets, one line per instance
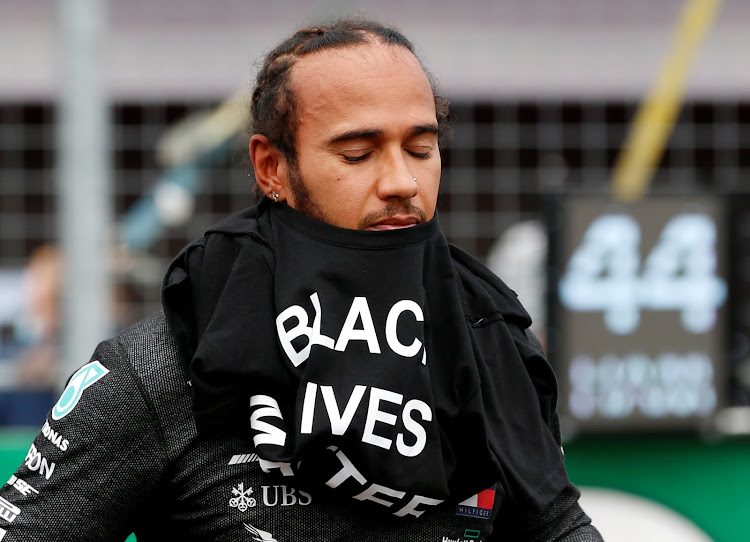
[370, 76]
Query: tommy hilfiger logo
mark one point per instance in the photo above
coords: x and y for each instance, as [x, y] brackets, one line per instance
[479, 505]
[469, 536]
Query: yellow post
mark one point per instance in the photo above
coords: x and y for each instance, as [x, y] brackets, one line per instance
[657, 114]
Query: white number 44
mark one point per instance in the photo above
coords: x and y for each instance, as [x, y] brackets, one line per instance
[605, 274]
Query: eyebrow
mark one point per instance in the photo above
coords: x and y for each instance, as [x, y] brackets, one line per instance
[369, 134]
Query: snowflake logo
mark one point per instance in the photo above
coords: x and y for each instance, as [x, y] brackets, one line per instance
[242, 499]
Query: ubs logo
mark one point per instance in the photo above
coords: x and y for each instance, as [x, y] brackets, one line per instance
[285, 496]
[271, 496]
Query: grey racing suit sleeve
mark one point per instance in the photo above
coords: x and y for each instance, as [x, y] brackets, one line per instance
[563, 520]
[85, 476]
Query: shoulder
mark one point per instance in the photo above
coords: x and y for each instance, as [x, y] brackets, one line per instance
[135, 376]
[134, 385]
[485, 292]
[150, 353]
[488, 300]
[147, 344]
[109, 424]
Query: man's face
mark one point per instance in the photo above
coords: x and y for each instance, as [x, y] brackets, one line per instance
[367, 129]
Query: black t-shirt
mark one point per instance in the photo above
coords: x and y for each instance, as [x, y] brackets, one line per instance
[377, 364]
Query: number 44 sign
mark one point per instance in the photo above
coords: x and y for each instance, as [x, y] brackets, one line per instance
[605, 274]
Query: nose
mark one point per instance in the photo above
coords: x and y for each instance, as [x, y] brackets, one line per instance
[397, 180]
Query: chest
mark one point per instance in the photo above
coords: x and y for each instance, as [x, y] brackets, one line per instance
[217, 490]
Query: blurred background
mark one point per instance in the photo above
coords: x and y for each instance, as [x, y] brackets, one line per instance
[122, 139]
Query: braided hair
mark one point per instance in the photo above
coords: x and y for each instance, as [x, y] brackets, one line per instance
[272, 106]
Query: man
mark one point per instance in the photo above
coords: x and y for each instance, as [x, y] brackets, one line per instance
[327, 367]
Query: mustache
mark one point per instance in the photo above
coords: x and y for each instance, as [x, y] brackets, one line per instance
[405, 208]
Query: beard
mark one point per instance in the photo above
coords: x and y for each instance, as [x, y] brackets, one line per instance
[302, 200]
[307, 206]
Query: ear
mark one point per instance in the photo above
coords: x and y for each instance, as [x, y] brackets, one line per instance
[270, 166]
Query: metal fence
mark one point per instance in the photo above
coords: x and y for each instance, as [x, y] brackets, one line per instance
[504, 160]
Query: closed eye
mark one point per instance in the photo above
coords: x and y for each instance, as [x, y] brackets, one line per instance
[355, 159]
